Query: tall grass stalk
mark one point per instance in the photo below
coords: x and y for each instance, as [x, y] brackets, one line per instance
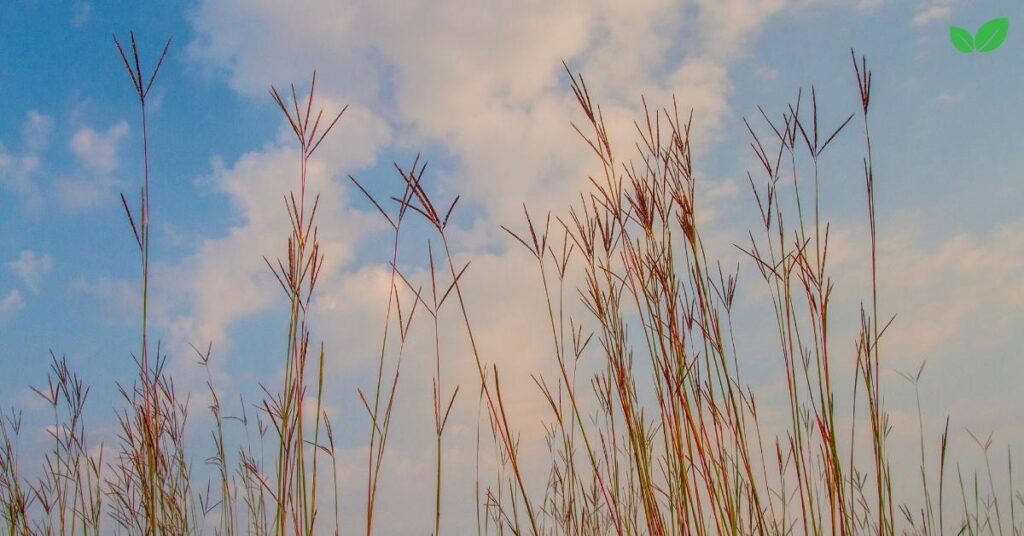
[295, 485]
[151, 488]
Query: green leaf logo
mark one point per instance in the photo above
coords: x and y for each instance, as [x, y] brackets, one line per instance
[962, 39]
[992, 34]
[989, 36]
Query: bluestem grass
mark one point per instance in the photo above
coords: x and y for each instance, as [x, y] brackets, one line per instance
[150, 489]
[671, 440]
[380, 411]
[295, 486]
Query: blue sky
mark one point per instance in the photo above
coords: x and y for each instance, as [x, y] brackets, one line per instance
[480, 93]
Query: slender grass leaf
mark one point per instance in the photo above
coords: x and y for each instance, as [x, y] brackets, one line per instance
[962, 39]
[992, 34]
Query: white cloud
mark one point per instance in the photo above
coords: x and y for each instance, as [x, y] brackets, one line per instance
[18, 174]
[928, 14]
[31, 268]
[730, 24]
[36, 130]
[96, 150]
[19, 170]
[486, 82]
[11, 303]
[954, 287]
[81, 12]
[97, 154]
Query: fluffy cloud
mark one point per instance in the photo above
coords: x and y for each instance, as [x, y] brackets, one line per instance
[486, 82]
[31, 268]
[957, 288]
[19, 171]
[225, 279]
[97, 156]
[98, 150]
[95, 152]
[17, 174]
[36, 130]
[81, 12]
[11, 303]
[928, 14]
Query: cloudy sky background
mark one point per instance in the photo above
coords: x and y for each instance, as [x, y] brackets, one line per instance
[478, 88]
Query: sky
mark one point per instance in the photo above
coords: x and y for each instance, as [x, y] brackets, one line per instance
[478, 89]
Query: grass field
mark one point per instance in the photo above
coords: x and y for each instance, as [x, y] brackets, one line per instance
[650, 424]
